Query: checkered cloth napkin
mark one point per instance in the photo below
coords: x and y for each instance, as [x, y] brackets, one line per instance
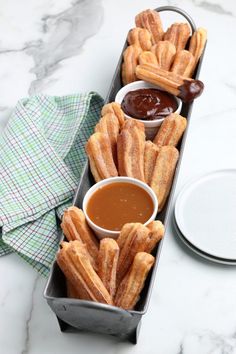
[41, 159]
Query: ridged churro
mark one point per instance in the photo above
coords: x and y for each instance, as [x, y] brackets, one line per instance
[130, 56]
[74, 262]
[178, 34]
[131, 286]
[131, 240]
[101, 161]
[75, 227]
[171, 130]
[197, 45]
[115, 109]
[183, 63]
[150, 154]
[109, 124]
[165, 52]
[186, 89]
[140, 37]
[107, 264]
[130, 150]
[150, 19]
[163, 173]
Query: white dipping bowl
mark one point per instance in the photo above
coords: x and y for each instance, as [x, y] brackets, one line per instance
[151, 126]
[101, 232]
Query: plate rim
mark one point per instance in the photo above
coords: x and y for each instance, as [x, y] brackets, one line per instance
[200, 253]
[183, 190]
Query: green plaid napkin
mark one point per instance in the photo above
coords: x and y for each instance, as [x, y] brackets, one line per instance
[41, 159]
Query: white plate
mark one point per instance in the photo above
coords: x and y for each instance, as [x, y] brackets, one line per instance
[205, 213]
[199, 252]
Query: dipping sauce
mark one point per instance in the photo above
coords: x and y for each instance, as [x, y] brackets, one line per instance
[149, 104]
[116, 204]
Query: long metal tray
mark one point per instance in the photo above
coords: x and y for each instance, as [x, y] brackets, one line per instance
[73, 314]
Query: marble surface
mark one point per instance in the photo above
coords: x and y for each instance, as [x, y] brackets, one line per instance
[63, 46]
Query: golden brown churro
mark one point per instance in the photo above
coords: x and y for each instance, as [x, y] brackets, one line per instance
[186, 89]
[74, 262]
[148, 58]
[109, 125]
[150, 19]
[157, 231]
[150, 155]
[140, 37]
[115, 109]
[130, 150]
[131, 286]
[165, 52]
[171, 130]
[75, 227]
[163, 173]
[107, 264]
[101, 161]
[183, 63]
[131, 240]
[178, 34]
[197, 45]
[130, 55]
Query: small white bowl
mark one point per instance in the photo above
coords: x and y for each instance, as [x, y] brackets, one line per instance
[151, 126]
[99, 231]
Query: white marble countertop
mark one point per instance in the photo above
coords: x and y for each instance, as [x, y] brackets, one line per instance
[60, 47]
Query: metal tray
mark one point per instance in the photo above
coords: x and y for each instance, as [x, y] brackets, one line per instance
[73, 314]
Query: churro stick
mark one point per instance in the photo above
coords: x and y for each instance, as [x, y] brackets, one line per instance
[140, 37]
[115, 109]
[157, 231]
[109, 124]
[197, 45]
[183, 63]
[165, 52]
[130, 56]
[75, 227]
[148, 58]
[178, 34]
[163, 173]
[71, 291]
[186, 89]
[150, 19]
[75, 264]
[150, 155]
[131, 240]
[131, 286]
[171, 130]
[130, 150]
[101, 161]
[107, 264]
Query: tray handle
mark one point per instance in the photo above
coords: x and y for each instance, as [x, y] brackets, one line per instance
[179, 11]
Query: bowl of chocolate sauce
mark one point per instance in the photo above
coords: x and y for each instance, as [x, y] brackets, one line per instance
[147, 103]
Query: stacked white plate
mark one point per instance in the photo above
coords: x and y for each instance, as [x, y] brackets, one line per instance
[205, 216]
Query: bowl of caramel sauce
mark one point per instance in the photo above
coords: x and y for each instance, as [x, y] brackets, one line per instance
[115, 201]
[148, 103]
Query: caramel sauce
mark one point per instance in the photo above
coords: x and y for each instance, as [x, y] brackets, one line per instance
[116, 204]
[148, 104]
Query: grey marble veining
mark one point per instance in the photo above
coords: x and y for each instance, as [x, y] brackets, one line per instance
[25, 349]
[213, 7]
[64, 36]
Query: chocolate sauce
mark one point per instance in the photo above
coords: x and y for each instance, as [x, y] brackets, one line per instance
[190, 90]
[148, 104]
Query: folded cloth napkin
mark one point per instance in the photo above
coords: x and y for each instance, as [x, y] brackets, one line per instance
[41, 159]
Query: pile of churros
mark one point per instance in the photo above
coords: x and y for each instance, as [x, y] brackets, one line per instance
[112, 272]
[119, 148]
[162, 58]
